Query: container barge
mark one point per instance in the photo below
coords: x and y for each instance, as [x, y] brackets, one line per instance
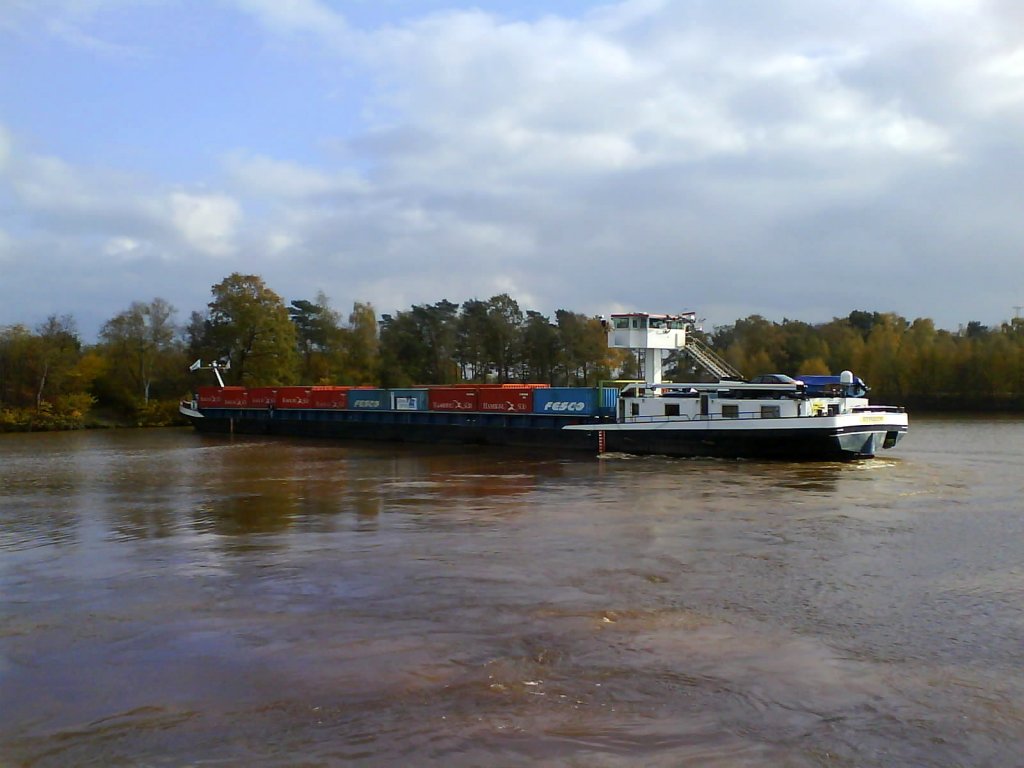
[823, 418]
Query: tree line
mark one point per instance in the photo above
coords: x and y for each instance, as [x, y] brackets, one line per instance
[138, 369]
[909, 363]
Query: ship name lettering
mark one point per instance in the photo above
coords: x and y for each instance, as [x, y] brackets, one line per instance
[562, 405]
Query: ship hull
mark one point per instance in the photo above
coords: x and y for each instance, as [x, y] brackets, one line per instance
[804, 439]
[456, 429]
[817, 438]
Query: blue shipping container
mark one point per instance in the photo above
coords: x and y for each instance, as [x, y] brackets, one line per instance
[565, 401]
[409, 400]
[609, 400]
[369, 400]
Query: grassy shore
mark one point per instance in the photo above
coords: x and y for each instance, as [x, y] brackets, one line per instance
[81, 413]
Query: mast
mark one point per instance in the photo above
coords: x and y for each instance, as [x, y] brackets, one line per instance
[214, 366]
[654, 335]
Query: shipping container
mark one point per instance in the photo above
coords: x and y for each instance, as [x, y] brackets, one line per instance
[330, 397]
[262, 397]
[213, 397]
[236, 397]
[369, 399]
[409, 400]
[566, 401]
[294, 397]
[506, 399]
[209, 396]
[609, 401]
[452, 398]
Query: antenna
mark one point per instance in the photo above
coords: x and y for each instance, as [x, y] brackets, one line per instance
[216, 366]
[1016, 310]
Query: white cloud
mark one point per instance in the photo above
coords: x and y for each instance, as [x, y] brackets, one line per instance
[264, 176]
[498, 101]
[130, 216]
[123, 248]
[281, 242]
[305, 19]
[72, 22]
[51, 184]
[757, 156]
[996, 84]
[206, 222]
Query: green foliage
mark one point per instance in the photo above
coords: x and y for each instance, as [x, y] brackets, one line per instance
[321, 340]
[492, 341]
[159, 413]
[585, 358]
[140, 351]
[64, 412]
[540, 347]
[362, 347]
[249, 325]
[36, 368]
[139, 368]
[913, 364]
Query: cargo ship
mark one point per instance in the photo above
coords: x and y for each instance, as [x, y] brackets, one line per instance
[773, 416]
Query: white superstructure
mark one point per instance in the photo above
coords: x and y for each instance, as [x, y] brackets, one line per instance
[773, 416]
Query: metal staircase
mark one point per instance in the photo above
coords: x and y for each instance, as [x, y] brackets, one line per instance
[710, 360]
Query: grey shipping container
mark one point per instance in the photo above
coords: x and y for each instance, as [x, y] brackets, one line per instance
[369, 400]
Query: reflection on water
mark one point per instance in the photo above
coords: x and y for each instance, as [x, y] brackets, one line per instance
[170, 598]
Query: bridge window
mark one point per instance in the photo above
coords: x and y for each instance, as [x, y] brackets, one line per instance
[730, 411]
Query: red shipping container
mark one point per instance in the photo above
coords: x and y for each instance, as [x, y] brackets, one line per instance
[213, 397]
[294, 397]
[210, 397]
[236, 398]
[452, 398]
[262, 397]
[507, 399]
[330, 397]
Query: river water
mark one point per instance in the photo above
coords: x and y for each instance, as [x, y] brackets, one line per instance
[168, 598]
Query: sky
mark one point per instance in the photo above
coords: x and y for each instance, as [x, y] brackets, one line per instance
[796, 159]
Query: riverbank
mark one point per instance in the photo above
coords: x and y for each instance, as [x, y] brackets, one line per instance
[68, 417]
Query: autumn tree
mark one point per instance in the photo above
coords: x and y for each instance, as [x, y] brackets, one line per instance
[585, 357]
[57, 353]
[320, 337]
[539, 348]
[470, 336]
[248, 324]
[140, 346]
[18, 349]
[418, 346]
[45, 376]
[362, 347]
[502, 335]
[403, 357]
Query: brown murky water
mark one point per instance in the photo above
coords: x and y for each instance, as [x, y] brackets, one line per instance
[174, 599]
